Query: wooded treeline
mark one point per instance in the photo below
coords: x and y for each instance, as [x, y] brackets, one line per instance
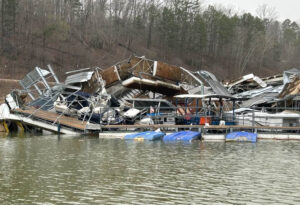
[72, 34]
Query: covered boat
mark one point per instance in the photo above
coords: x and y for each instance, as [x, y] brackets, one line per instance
[241, 137]
[186, 136]
[149, 135]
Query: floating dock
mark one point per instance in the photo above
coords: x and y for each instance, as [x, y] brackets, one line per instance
[58, 123]
[45, 120]
[53, 118]
[139, 94]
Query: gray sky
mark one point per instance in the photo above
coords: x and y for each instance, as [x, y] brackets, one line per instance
[285, 8]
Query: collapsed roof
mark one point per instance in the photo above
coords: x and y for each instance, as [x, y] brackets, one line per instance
[138, 77]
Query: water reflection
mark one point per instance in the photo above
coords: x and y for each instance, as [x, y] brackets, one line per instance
[86, 170]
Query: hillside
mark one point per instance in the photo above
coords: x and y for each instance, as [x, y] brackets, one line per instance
[95, 33]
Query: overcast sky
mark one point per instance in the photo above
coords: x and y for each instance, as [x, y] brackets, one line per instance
[285, 8]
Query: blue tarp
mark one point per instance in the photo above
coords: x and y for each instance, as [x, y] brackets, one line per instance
[241, 137]
[149, 135]
[186, 136]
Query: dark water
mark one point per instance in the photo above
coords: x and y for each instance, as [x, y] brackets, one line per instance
[79, 170]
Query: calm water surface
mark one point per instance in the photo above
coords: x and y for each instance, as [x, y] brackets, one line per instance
[81, 170]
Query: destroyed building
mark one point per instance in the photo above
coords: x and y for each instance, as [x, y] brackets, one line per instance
[140, 91]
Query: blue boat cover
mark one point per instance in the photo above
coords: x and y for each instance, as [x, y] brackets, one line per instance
[149, 135]
[241, 137]
[186, 136]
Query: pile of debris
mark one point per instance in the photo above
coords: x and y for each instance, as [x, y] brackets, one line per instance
[143, 91]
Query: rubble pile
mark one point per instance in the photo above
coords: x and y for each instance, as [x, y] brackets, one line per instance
[141, 91]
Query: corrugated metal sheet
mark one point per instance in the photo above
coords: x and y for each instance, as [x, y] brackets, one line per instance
[253, 93]
[78, 78]
[197, 96]
[260, 99]
[289, 75]
[152, 85]
[217, 87]
[248, 77]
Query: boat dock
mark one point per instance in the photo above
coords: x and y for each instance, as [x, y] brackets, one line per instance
[69, 125]
[75, 124]
[139, 94]
[53, 118]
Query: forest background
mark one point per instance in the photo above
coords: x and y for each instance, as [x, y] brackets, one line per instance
[73, 34]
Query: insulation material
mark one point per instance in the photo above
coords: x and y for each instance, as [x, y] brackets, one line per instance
[249, 78]
[78, 78]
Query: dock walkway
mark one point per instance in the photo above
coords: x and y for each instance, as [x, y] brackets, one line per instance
[53, 117]
[78, 126]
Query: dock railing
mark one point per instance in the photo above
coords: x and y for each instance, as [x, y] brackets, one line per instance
[207, 116]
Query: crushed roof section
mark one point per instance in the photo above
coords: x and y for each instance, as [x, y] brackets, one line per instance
[78, 78]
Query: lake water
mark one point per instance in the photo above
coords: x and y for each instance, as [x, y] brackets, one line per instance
[86, 170]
